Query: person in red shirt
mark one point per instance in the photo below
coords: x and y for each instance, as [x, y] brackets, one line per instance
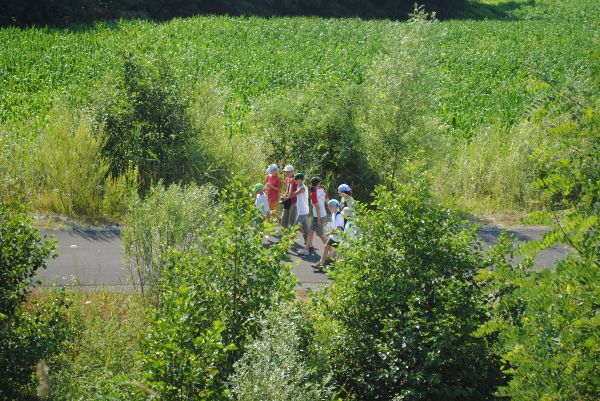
[273, 184]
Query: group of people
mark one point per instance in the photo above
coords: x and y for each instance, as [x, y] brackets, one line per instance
[296, 208]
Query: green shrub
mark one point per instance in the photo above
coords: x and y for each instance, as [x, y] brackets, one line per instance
[317, 131]
[174, 217]
[68, 174]
[402, 88]
[211, 301]
[145, 120]
[275, 365]
[545, 327]
[406, 303]
[27, 335]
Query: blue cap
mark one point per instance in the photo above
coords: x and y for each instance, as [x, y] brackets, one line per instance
[334, 203]
[344, 188]
[272, 168]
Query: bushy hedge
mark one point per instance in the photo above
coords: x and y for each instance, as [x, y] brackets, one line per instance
[211, 301]
[406, 301]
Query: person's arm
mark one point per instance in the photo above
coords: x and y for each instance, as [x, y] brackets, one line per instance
[298, 191]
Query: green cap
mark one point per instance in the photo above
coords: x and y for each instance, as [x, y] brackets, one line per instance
[298, 176]
[257, 187]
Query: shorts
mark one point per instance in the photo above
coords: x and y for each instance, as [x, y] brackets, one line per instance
[289, 216]
[321, 229]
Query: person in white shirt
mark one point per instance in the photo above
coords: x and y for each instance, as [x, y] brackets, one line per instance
[335, 227]
[318, 199]
[301, 194]
[262, 202]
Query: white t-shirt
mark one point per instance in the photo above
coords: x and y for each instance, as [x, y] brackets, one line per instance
[349, 229]
[337, 222]
[302, 201]
[262, 203]
[319, 194]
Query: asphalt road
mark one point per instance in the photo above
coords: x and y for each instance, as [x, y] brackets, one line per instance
[93, 257]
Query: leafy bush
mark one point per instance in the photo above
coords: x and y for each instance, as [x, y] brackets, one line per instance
[174, 217]
[211, 301]
[69, 174]
[407, 304]
[145, 122]
[317, 131]
[22, 254]
[545, 328]
[274, 366]
[402, 88]
[27, 335]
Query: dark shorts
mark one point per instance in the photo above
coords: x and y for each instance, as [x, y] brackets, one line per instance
[321, 229]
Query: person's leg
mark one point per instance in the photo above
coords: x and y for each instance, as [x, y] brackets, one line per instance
[293, 212]
[302, 221]
[285, 218]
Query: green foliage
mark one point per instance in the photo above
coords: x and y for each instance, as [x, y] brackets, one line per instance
[22, 254]
[317, 131]
[547, 324]
[69, 174]
[174, 217]
[275, 365]
[545, 328]
[401, 87]
[145, 122]
[407, 304]
[26, 334]
[104, 349]
[211, 301]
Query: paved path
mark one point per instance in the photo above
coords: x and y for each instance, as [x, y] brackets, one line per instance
[93, 257]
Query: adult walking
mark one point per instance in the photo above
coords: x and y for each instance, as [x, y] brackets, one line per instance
[290, 211]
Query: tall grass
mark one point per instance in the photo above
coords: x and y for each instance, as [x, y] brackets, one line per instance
[71, 176]
[105, 350]
[495, 171]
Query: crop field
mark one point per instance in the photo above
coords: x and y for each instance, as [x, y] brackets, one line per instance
[483, 65]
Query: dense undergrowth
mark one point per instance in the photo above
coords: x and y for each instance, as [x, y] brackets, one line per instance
[191, 100]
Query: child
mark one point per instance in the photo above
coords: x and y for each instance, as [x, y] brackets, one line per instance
[262, 204]
[336, 227]
[346, 199]
[273, 187]
[301, 195]
[319, 217]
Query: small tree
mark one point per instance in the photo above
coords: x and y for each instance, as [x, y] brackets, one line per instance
[406, 303]
[400, 125]
[211, 301]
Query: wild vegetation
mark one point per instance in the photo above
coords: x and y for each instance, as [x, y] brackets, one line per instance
[161, 126]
